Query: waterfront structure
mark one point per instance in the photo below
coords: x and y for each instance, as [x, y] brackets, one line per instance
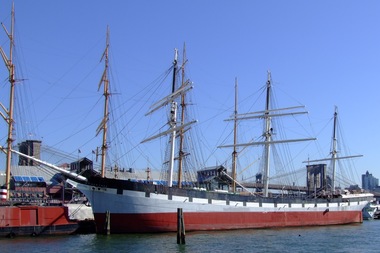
[369, 182]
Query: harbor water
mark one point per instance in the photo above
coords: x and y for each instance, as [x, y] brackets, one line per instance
[347, 238]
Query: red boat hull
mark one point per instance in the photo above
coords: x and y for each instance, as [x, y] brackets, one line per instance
[167, 222]
[35, 220]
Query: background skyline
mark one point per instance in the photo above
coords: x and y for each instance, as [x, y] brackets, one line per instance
[322, 54]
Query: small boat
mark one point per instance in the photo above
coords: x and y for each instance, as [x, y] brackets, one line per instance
[369, 211]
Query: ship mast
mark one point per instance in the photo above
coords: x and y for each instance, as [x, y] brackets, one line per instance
[173, 122]
[234, 153]
[12, 81]
[103, 125]
[173, 126]
[267, 115]
[268, 137]
[181, 153]
[334, 152]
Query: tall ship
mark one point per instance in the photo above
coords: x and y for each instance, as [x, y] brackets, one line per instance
[147, 206]
[130, 206]
[25, 213]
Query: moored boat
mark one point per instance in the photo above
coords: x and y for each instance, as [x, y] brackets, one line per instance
[127, 206]
[140, 207]
[35, 220]
[369, 211]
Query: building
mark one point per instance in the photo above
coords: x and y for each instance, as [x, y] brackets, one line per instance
[369, 182]
[213, 178]
[81, 165]
[30, 148]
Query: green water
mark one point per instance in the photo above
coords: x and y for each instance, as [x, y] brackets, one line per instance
[348, 238]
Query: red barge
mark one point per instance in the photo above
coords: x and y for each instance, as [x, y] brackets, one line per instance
[34, 220]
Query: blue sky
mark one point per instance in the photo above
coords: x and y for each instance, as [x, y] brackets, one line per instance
[320, 53]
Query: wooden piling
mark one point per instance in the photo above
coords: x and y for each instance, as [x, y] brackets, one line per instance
[180, 227]
[107, 224]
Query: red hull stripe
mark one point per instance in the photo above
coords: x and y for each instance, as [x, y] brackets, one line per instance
[167, 222]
